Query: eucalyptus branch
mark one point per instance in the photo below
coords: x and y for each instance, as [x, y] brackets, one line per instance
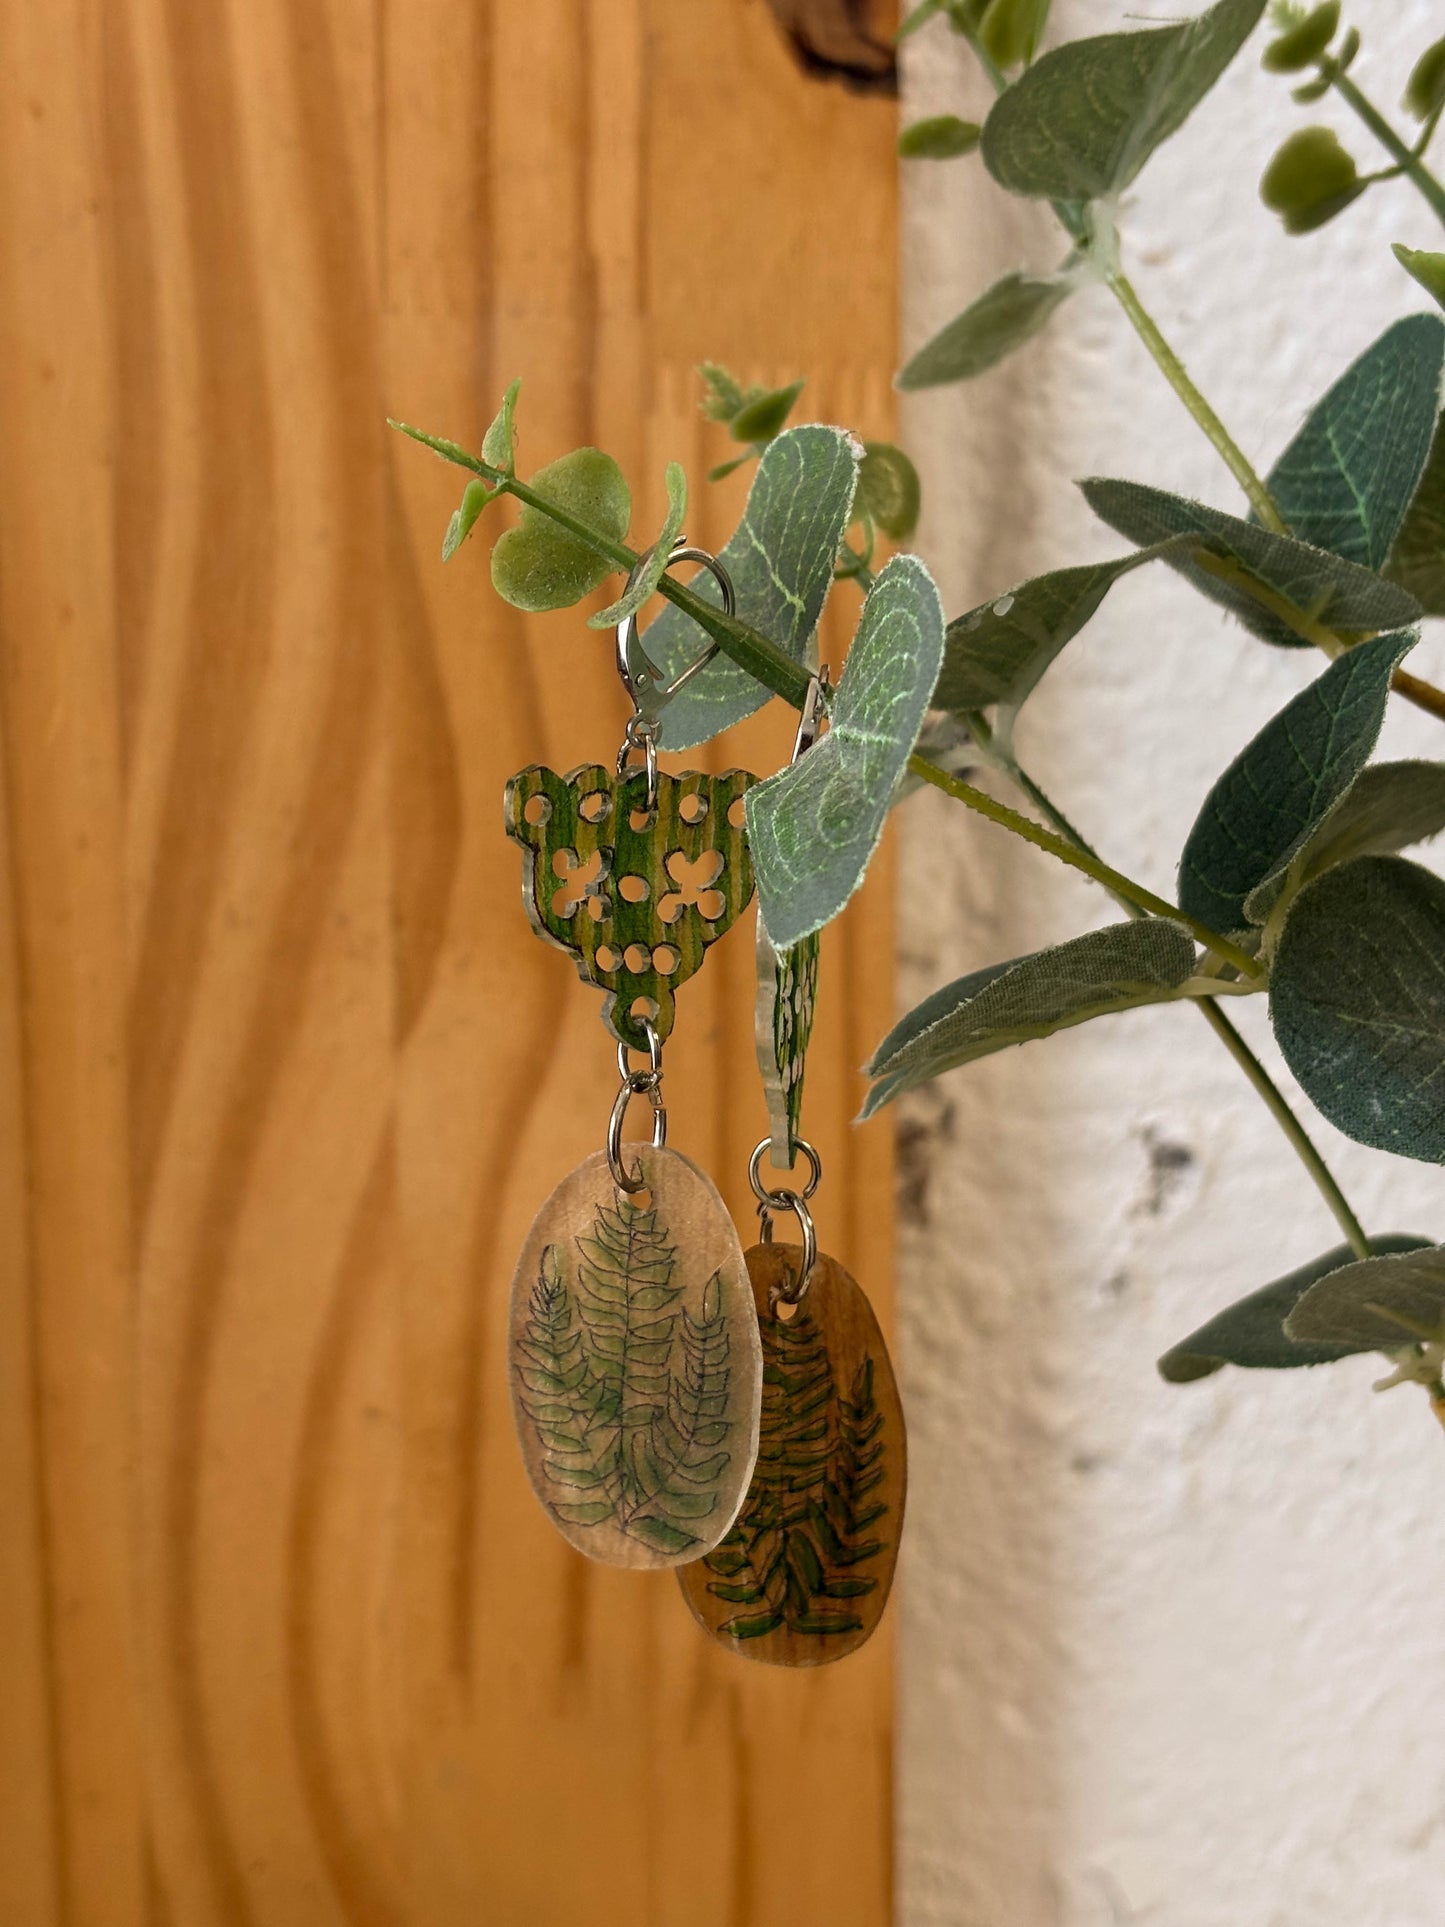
[1409, 161]
[1067, 852]
[1274, 1098]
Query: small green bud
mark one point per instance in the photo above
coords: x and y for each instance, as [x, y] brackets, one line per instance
[1010, 30]
[1302, 46]
[762, 416]
[1428, 269]
[722, 395]
[942, 138]
[1310, 180]
[1312, 91]
[1347, 49]
[1425, 91]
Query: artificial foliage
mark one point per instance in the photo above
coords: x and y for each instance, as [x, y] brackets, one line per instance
[1295, 883]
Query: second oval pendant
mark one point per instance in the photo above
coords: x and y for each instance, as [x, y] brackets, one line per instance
[804, 1575]
[635, 1362]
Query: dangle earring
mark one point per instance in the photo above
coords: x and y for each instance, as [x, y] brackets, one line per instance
[804, 1573]
[634, 1353]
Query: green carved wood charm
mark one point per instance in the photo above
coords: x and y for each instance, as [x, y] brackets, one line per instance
[787, 993]
[804, 1575]
[635, 1363]
[633, 898]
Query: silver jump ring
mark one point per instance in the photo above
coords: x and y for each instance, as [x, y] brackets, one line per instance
[761, 1192]
[635, 1084]
[795, 1293]
[648, 680]
[641, 734]
[653, 1073]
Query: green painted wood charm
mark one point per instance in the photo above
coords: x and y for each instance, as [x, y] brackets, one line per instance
[633, 898]
[787, 993]
[635, 1362]
[804, 1575]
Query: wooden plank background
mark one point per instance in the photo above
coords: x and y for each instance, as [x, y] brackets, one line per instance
[286, 1639]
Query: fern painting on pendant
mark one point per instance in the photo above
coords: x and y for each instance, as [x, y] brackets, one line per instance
[804, 1574]
[636, 1363]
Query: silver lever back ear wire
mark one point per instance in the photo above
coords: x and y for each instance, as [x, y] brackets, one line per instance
[646, 684]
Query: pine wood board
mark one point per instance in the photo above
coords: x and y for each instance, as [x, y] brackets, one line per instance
[288, 1644]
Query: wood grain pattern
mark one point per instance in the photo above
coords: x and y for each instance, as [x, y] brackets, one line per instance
[288, 1642]
[803, 1578]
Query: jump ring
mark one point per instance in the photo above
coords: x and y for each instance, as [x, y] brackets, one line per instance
[761, 1192]
[795, 1293]
[654, 1054]
[621, 1177]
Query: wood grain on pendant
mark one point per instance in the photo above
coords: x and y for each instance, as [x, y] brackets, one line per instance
[635, 1362]
[804, 1575]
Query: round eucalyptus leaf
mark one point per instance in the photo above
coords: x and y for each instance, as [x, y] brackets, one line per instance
[1357, 1000]
[1310, 180]
[1425, 89]
[539, 565]
[1304, 43]
[888, 488]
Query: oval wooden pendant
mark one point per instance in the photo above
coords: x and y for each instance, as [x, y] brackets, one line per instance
[635, 1363]
[804, 1575]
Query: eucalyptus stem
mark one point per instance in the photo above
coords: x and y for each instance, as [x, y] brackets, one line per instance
[1409, 160]
[1092, 866]
[1275, 1101]
[1175, 373]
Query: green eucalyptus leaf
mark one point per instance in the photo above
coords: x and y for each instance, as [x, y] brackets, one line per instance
[644, 585]
[1003, 318]
[1281, 787]
[1117, 968]
[1428, 269]
[1082, 122]
[761, 417]
[1310, 180]
[538, 565]
[724, 469]
[813, 827]
[475, 497]
[1312, 91]
[780, 559]
[942, 137]
[1251, 1332]
[1010, 30]
[1347, 49]
[1389, 807]
[998, 651]
[1417, 560]
[1357, 999]
[1320, 585]
[1347, 479]
[1303, 44]
[1377, 1304]
[1425, 89]
[498, 444]
[722, 394]
[888, 489]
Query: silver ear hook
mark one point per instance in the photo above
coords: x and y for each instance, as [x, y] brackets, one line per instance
[646, 685]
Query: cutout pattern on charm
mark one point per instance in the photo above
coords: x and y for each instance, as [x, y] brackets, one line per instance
[787, 993]
[635, 1364]
[804, 1574]
[633, 897]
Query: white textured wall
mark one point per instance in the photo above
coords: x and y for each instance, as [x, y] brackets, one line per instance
[1170, 1655]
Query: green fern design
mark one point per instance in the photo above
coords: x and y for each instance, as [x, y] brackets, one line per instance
[791, 1558]
[629, 1400]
